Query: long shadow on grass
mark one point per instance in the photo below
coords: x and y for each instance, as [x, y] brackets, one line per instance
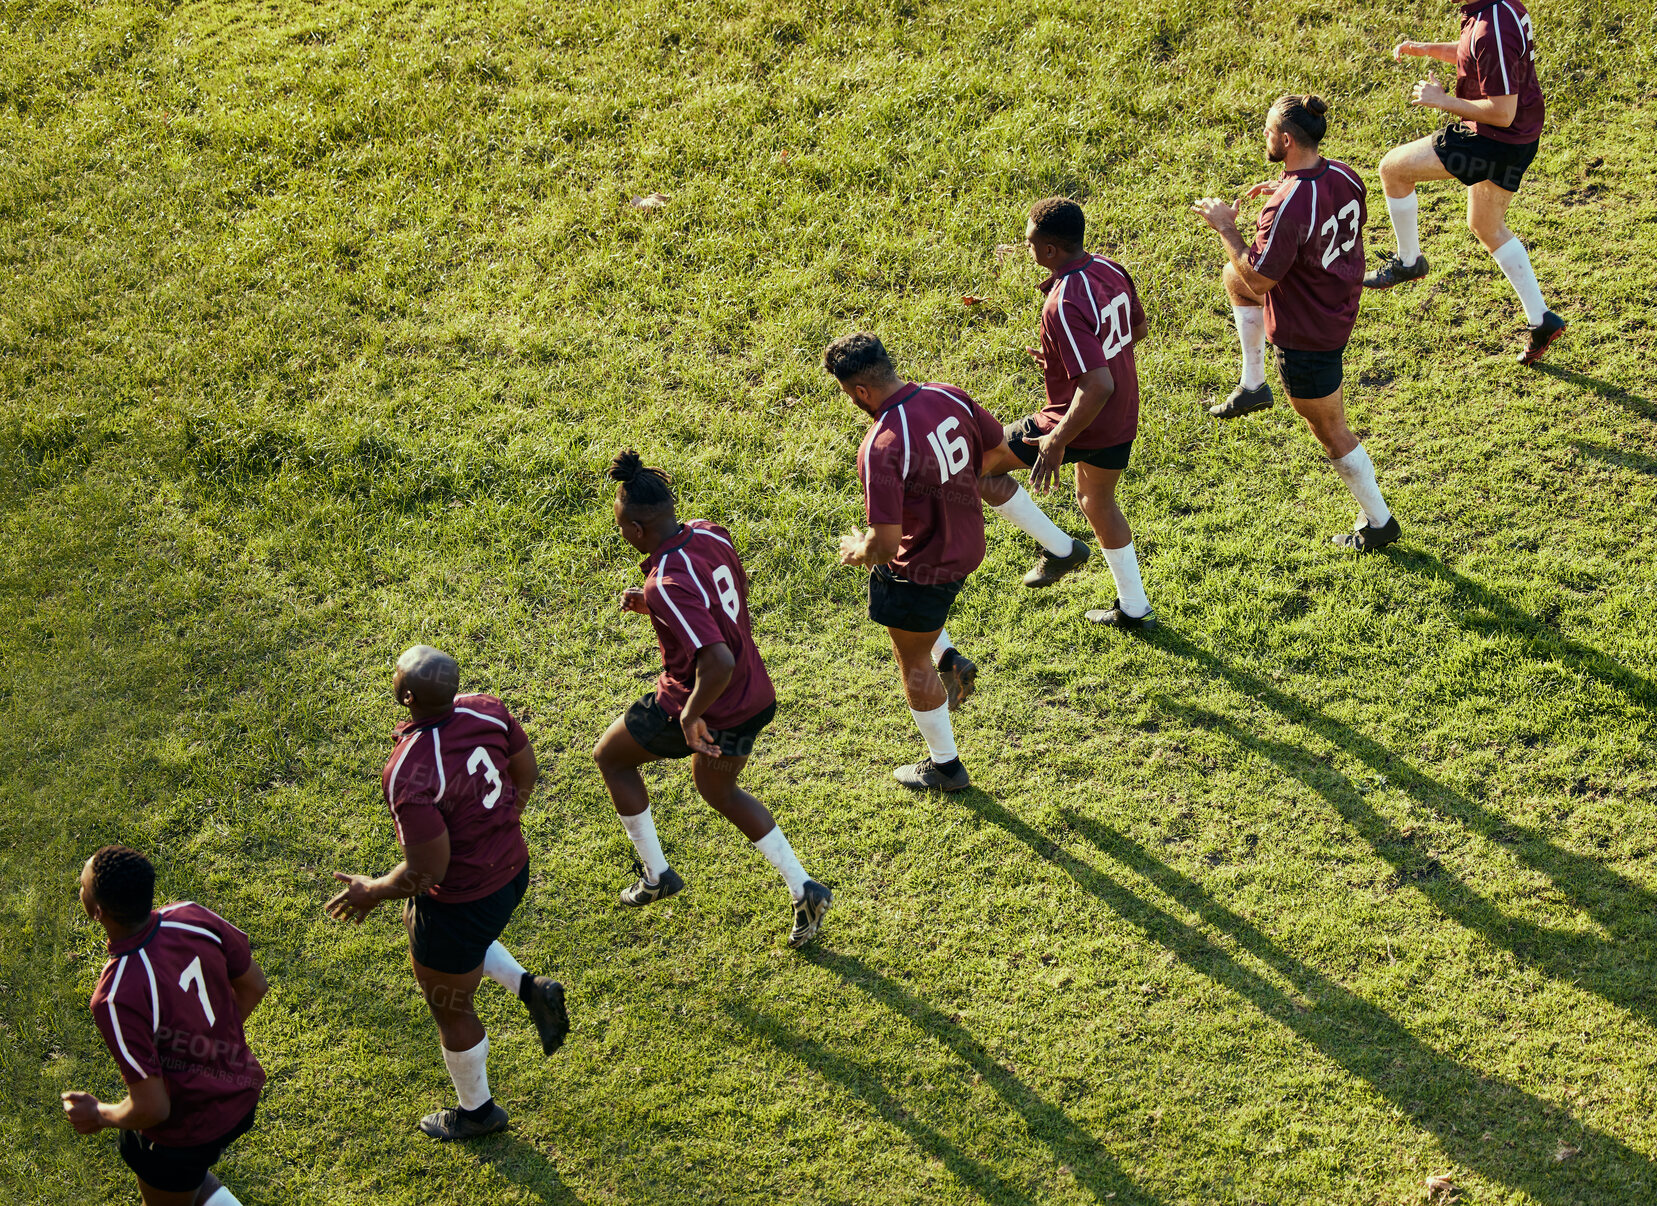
[1622, 906]
[1454, 1104]
[866, 1083]
[1610, 390]
[1069, 1142]
[1622, 458]
[519, 1162]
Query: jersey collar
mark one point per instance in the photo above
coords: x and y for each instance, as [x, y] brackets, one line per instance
[898, 399]
[406, 727]
[1074, 266]
[136, 939]
[1311, 173]
[677, 542]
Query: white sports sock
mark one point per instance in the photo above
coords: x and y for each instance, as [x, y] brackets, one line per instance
[774, 846]
[939, 733]
[502, 968]
[222, 1197]
[1251, 333]
[1130, 591]
[1358, 472]
[643, 832]
[1021, 511]
[942, 645]
[1514, 262]
[1403, 211]
[466, 1069]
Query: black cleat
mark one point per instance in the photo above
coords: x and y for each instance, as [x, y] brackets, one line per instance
[1241, 402]
[809, 912]
[446, 1126]
[1542, 336]
[921, 775]
[1367, 539]
[960, 680]
[1396, 272]
[1049, 568]
[1114, 617]
[642, 892]
[544, 998]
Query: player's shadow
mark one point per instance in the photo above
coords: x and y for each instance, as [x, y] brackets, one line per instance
[520, 1162]
[1067, 1140]
[868, 1083]
[1609, 390]
[1624, 907]
[1623, 459]
[1440, 1096]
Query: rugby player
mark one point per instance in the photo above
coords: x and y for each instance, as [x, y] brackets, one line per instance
[171, 1002]
[1299, 286]
[711, 701]
[456, 783]
[1090, 321]
[919, 464]
[1498, 102]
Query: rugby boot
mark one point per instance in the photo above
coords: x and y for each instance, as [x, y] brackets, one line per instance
[1114, 617]
[1241, 402]
[926, 774]
[1542, 336]
[544, 998]
[960, 680]
[1050, 568]
[446, 1126]
[1367, 539]
[809, 912]
[1395, 272]
[642, 892]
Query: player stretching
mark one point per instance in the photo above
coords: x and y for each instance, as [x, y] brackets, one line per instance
[1090, 320]
[920, 467]
[711, 700]
[456, 783]
[1499, 102]
[179, 984]
[1299, 286]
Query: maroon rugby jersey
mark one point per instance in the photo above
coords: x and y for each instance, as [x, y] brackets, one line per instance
[1087, 322]
[1497, 57]
[449, 773]
[1310, 240]
[919, 468]
[165, 1007]
[697, 594]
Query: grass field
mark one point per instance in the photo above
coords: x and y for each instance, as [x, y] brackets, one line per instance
[318, 325]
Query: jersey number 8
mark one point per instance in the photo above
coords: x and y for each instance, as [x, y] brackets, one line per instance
[725, 584]
[952, 454]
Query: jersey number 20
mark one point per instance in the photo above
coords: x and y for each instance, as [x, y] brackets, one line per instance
[1331, 229]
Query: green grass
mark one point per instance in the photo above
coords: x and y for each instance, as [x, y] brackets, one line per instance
[317, 328]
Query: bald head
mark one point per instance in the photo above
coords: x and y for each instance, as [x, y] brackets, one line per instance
[425, 680]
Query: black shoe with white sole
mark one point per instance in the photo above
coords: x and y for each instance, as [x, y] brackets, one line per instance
[449, 1125]
[1542, 336]
[927, 774]
[1114, 617]
[1241, 402]
[544, 998]
[1049, 568]
[642, 892]
[1367, 539]
[1395, 272]
[960, 680]
[809, 912]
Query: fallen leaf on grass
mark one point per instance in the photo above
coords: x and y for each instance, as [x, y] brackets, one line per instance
[1441, 1188]
[1565, 1152]
[971, 299]
[653, 201]
[1003, 250]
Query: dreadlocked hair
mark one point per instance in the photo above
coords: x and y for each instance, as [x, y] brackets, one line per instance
[642, 487]
[124, 883]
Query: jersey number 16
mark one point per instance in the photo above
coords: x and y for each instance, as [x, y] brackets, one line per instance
[952, 453]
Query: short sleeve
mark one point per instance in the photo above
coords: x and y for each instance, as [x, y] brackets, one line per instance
[1136, 311]
[883, 478]
[1496, 54]
[238, 951]
[412, 796]
[1075, 332]
[516, 738]
[990, 430]
[1277, 241]
[679, 604]
[125, 1025]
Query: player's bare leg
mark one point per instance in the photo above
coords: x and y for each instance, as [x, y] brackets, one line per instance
[716, 782]
[1487, 204]
[1402, 168]
[1096, 492]
[1252, 393]
[465, 1054]
[619, 757]
[1061, 553]
[929, 705]
[1376, 526]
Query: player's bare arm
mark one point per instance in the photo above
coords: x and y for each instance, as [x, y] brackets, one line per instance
[249, 989]
[715, 664]
[1093, 390]
[523, 770]
[1491, 111]
[1444, 52]
[1222, 217]
[422, 868]
[145, 1105]
[876, 546]
[632, 599]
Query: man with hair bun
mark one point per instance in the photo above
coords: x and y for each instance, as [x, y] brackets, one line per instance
[1299, 286]
[712, 698]
[171, 1003]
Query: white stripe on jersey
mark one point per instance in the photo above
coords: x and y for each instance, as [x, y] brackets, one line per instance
[1113, 266]
[1313, 224]
[494, 720]
[115, 1019]
[155, 997]
[1065, 322]
[955, 398]
[1092, 301]
[695, 581]
[391, 783]
[1501, 54]
[1355, 181]
[177, 904]
[1276, 218]
[437, 756]
[716, 536]
[695, 642]
[904, 420]
[194, 929]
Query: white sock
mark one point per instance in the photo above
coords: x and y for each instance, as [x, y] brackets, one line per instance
[643, 832]
[1021, 511]
[1403, 211]
[466, 1069]
[939, 734]
[1251, 333]
[1514, 262]
[774, 846]
[222, 1197]
[1130, 591]
[502, 968]
[1358, 472]
[942, 645]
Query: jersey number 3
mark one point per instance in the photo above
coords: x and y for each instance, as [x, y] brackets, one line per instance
[952, 453]
[1331, 231]
[480, 759]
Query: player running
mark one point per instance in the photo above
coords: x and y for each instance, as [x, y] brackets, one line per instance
[179, 984]
[1499, 103]
[1090, 321]
[456, 783]
[1299, 286]
[920, 467]
[713, 696]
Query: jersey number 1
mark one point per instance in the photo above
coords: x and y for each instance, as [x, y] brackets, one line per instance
[192, 974]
